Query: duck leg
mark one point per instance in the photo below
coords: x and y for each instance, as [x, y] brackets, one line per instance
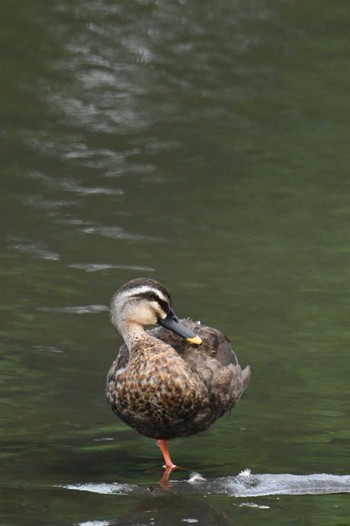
[163, 446]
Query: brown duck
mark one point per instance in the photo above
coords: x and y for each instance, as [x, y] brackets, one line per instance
[172, 381]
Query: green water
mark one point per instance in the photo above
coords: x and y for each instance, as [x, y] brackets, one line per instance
[205, 145]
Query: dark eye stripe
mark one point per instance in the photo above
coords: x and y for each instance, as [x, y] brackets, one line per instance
[152, 296]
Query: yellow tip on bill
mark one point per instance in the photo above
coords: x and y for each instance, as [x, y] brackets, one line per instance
[195, 340]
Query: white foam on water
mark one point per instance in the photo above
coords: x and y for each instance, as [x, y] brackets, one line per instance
[101, 488]
[247, 484]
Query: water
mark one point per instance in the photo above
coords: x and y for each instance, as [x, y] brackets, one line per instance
[204, 145]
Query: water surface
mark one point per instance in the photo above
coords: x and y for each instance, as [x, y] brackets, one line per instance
[205, 146]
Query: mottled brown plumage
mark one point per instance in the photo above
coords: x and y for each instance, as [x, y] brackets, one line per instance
[170, 387]
[162, 384]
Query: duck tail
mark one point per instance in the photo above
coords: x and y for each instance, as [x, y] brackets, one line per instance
[246, 377]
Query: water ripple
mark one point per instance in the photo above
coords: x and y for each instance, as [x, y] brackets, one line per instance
[84, 309]
[95, 267]
[116, 232]
[35, 249]
[84, 190]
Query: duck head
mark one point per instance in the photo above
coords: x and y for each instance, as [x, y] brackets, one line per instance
[144, 301]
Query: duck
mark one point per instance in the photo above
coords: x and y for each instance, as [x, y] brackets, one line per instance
[174, 380]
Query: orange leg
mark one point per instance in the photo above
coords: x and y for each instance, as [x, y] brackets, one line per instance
[163, 446]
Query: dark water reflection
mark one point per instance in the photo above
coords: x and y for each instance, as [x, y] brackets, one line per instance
[205, 145]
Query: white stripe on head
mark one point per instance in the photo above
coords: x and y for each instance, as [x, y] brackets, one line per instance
[143, 289]
[141, 301]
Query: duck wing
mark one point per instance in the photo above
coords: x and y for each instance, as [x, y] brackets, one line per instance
[215, 352]
[214, 361]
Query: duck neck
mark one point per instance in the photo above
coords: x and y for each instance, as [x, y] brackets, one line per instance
[133, 334]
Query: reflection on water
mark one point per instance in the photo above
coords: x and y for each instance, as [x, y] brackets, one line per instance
[173, 510]
[206, 144]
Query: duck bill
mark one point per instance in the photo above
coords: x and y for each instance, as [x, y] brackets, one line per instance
[172, 322]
